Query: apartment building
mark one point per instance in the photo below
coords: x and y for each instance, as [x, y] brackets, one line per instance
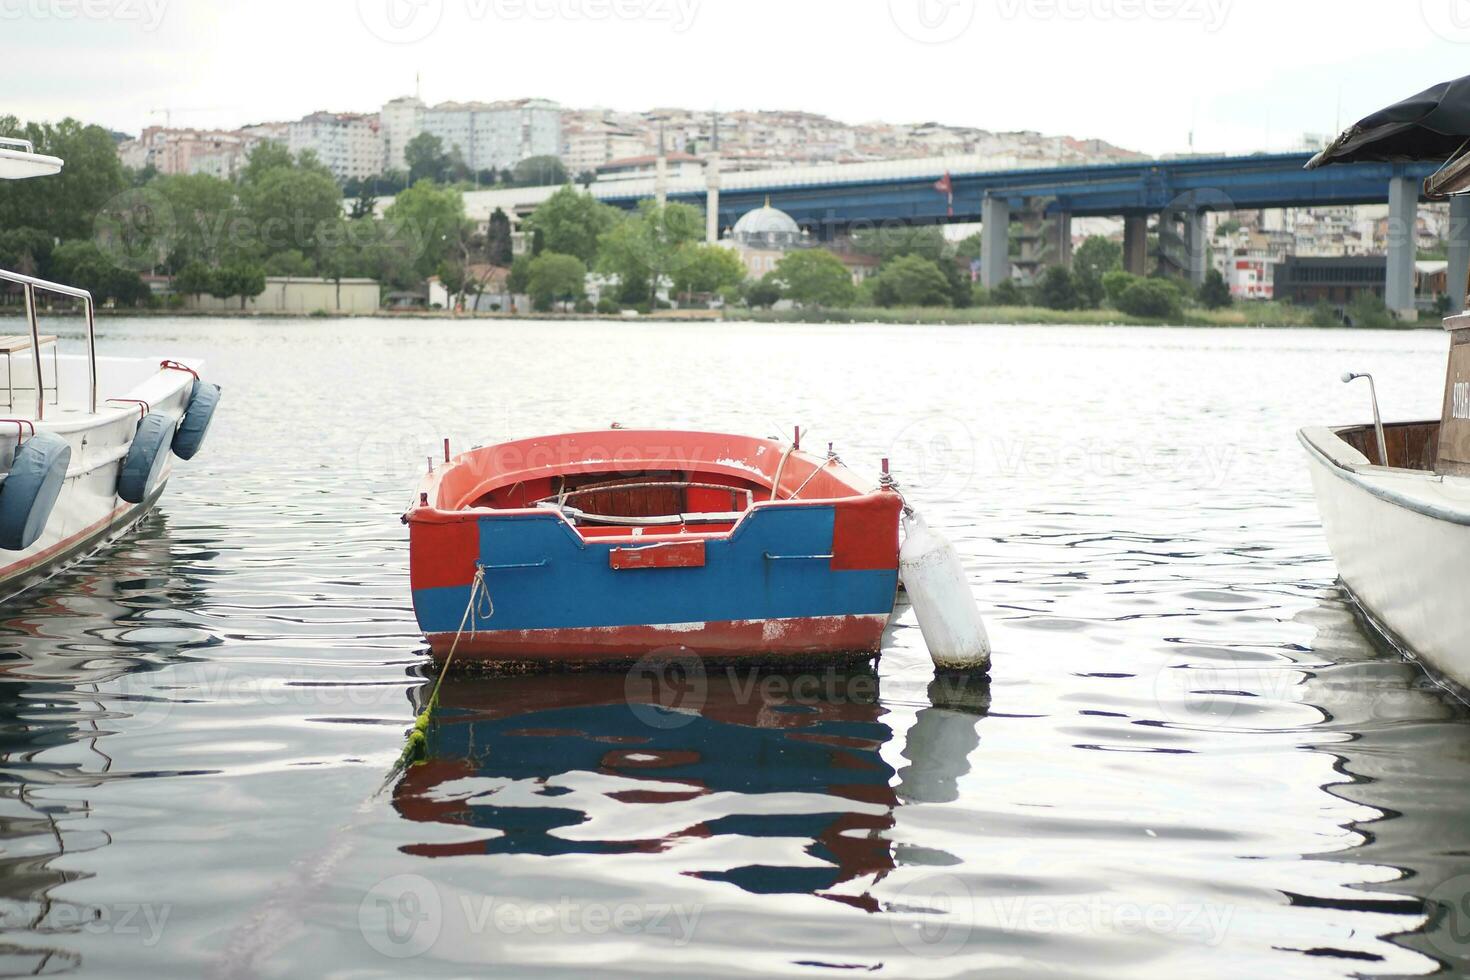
[496, 135]
[349, 144]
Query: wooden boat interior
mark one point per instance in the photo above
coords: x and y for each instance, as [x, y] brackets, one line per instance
[1411, 445]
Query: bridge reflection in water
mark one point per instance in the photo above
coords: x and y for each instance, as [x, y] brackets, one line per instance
[545, 764]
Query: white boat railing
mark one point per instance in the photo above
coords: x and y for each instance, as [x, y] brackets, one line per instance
[29, 285]
[18, 144]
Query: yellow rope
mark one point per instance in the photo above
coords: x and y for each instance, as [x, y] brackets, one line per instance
[418, 738]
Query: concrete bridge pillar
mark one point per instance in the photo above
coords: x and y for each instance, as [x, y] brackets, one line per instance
[1403, 214]
[1061, 251]
[1459, 252]
[995, 242]
[1135, 244]
[1196, 246]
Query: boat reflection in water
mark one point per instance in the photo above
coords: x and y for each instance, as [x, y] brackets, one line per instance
[544, 764]
[65, 653]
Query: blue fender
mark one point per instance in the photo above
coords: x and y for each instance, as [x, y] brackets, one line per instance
[142, 468]
[29, 492]
[190, 437]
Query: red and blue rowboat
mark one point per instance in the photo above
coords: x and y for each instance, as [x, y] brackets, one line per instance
[603, 547]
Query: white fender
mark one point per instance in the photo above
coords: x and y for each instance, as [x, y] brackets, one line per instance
[948, 615]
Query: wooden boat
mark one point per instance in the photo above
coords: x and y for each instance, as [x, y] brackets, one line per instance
[1395, 499]
[86, 442]
[601, 547]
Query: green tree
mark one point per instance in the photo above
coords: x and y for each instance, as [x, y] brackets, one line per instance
[1057, 290]
[65, 205]
[649, 246]
[264, 157]
[1213, 293]
[1368, 310]
[890, 243]
[911, 280]
[1008, 292]
[763, 292]
[1115, 284]
[570, 222]
[287, 208]
[519, 280]
[83, 264]
[27, 251]
[243, 279]
[707, 269]
[499, 244]
[194, 279]
[816, 277]
[203, 218]
[426, 158]
[1093, 260]
[1155, 298]
[542, 171]
[288, 263]
[556, 278]
[432, 220]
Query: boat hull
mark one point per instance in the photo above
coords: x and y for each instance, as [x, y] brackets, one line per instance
[791, 582]
[88, 512]
[1402, 549]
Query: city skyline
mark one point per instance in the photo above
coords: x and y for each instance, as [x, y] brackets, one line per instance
[1153, 75]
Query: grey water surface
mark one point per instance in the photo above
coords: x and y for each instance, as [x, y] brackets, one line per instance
[1190, 760]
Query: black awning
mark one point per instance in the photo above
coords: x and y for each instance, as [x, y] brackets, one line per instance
[1432, 126]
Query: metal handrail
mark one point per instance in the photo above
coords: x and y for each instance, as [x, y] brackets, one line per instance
[30, 285]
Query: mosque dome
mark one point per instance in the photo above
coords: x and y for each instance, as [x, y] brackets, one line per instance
[767, 221]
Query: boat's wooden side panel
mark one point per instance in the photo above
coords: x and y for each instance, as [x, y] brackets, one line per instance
[1407, 568]
[790, 578]
[1454, 438]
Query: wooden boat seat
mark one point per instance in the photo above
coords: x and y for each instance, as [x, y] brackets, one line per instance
[645, 503]
[576, 516]
[16, 342]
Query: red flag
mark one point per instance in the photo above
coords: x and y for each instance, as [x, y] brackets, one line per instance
[945, 186]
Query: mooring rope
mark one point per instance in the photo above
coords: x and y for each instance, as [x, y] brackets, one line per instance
[418, 738]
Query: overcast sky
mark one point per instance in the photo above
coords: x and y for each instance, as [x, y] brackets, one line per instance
[1242, 74]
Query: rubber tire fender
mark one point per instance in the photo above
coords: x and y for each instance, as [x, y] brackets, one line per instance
[29, 492]
[195, 425]
[143, 466]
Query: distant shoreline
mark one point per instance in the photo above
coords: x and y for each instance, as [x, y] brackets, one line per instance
[1276, 317]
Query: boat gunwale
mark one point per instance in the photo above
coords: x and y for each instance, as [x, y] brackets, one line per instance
[1356, 477]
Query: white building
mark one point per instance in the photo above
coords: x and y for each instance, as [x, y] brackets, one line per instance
[349, 144]
[399, 121]
[587, 146]
[496, 135]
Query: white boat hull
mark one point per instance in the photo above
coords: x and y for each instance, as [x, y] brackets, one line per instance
[88, 512]
[1402, 543]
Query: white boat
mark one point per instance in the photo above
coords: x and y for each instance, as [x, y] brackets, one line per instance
[85, 441]
[1400, 533]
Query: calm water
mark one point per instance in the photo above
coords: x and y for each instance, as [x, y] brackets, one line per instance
[1189, 759]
